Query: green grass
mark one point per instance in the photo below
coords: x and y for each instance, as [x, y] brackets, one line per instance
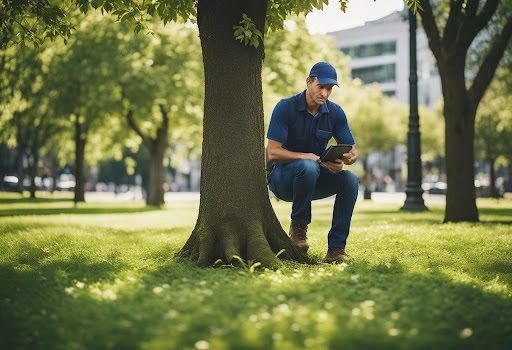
[103, 276]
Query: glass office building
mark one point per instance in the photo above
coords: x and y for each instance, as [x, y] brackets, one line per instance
[379, 52]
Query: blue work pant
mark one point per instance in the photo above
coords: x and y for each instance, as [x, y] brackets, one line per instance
[302, 181]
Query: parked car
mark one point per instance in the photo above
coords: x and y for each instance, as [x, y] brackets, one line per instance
[9, 183]
[438, 187]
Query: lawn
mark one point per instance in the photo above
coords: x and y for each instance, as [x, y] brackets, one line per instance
[103, 276]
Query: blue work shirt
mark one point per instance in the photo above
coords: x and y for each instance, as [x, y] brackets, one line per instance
[300, 131]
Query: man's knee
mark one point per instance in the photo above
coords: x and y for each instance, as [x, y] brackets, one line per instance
[307, 167]
[349, 180]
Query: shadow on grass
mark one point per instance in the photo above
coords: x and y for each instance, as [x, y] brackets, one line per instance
[40, 311]
[90, 209]
[494, 222]
[434, 215]
[174, 306]
[496, 211]
[430, 217]
[24, 199]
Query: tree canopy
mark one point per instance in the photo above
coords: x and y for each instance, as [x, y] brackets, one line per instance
[36, 20]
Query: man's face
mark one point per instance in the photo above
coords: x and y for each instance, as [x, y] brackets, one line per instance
[318, 93]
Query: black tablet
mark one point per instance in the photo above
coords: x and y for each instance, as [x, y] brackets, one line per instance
[335, 152]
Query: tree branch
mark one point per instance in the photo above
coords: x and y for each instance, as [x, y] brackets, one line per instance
[490, 63]
[165, 116]
[430, 26]
[475, 24]
[472, 7]
[453, 26]
[162, 130]
[131, 121]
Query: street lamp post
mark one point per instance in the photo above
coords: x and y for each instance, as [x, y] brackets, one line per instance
[414, 192]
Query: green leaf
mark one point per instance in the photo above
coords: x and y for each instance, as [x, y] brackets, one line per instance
[96, 3]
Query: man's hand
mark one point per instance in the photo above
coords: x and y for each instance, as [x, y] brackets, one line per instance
[350, 157]
[334, 167]
[311, 156]
[337, 166]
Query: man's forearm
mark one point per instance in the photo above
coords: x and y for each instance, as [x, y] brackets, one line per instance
[281, 155]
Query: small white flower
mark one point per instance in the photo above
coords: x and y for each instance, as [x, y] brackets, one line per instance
[109, 295]
[202, 345]
[466, 333]
[393, 332]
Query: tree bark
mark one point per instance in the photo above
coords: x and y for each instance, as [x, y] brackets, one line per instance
[155, 188]
[20, 150]
[236, 218]
[459, 152]
[494, 192]
[156, 147]
[80, 141]
[34, 150]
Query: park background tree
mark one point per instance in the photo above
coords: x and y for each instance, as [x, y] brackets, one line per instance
[493, 128]
[161, 86]
[27, 110]
[85, 86]
[451, 28]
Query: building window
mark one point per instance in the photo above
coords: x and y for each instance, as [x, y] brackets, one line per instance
[385, 73]
[390, 93]
[370, 50]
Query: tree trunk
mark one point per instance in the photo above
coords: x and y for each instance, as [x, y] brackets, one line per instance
[34, 150]
[492, 179]
[459, 118]
[19, 168]
[20, 150]
[80, 141]
[236, 218]
[156, 171]
[367, 179]
[156, 147]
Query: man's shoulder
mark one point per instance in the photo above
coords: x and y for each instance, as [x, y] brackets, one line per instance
[335, 109]
[333, 105]
[291, 104]
[293, 98]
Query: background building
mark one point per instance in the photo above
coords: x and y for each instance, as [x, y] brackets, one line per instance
[379, 52]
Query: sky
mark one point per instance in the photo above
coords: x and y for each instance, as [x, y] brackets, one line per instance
[331, 18]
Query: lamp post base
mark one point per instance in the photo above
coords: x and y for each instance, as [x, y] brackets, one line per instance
[414, 201]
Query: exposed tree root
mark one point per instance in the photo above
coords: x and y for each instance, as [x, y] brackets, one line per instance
[249, 241]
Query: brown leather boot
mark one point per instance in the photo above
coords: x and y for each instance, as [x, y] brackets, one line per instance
[335, 255]
[298, 235]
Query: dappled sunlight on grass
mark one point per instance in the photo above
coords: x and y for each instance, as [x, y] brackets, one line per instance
[110, 280]
[120, 215]
[68, 207]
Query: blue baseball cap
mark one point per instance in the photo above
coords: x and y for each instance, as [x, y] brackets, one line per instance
[325, 73]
